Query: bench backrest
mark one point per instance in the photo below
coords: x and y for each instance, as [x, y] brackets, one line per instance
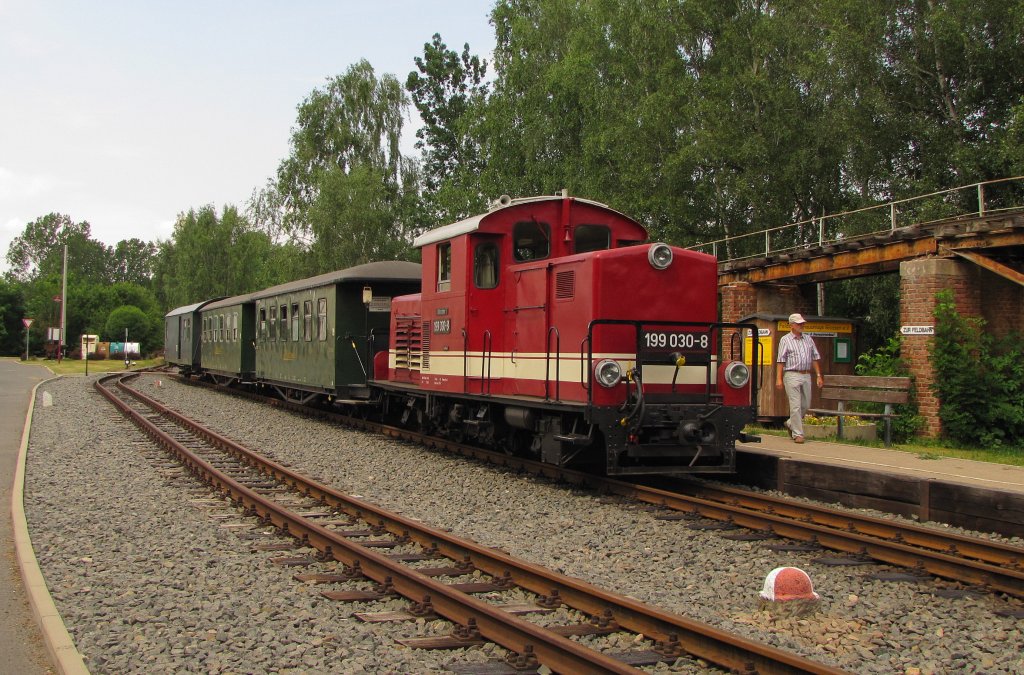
[866, 388]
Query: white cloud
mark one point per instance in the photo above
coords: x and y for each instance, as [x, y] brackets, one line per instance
[14, 186]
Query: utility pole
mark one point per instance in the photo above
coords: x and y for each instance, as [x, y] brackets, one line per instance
[63, 305]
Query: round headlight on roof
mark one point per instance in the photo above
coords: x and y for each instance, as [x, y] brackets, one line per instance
[660, 256]
[608, 373]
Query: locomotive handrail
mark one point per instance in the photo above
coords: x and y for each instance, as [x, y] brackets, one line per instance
[486, 358]
[547, 364]
[584, 364]
[486, 355]
[465, 362]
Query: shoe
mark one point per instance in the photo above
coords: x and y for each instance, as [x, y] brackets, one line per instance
[798, 439]
[786, 424]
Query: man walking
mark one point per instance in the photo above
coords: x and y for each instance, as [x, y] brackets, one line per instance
[797, 357]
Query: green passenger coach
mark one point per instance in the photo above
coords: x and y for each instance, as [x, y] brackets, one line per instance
[228, 335]
[182, 339]
[316, 337]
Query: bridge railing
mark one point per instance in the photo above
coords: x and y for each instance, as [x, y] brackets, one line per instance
[977, 199]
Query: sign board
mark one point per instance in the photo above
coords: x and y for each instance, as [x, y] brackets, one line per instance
[917, 330]
[27, 322]
[822, 328]
[53, 334]
[765, 355]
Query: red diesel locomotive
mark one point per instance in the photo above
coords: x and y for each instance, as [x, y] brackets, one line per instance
[547, 327]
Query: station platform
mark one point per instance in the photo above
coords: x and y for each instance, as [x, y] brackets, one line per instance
[976, 495]
[22, 644]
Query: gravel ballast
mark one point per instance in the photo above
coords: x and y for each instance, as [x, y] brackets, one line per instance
[146, 583]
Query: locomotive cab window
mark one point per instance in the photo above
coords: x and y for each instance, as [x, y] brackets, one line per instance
[485, 266]
[444, 267]
[531, 241]
[592, 238]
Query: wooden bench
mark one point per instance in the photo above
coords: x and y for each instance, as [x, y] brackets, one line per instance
[864, 388]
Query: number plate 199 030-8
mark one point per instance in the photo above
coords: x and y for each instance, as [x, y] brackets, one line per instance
[692, 344]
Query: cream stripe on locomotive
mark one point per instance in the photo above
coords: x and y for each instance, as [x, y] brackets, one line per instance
[536, 366]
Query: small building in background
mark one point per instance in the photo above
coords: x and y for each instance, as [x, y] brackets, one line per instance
[835, 338]
[89, 344]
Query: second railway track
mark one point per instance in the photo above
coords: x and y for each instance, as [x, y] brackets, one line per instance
[986, 563]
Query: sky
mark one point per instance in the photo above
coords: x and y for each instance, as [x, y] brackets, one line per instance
[125, 114]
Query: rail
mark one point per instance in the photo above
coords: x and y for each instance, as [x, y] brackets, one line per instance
[988, 197]
[481, 618]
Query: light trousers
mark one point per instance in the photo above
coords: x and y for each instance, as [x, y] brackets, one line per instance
[798, 391]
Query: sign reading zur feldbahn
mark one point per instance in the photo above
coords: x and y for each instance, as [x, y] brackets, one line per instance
[917, 330]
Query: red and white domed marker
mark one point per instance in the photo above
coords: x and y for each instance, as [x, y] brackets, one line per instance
[788, 583]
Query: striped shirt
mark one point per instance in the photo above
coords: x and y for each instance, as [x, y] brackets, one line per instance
[797, 353]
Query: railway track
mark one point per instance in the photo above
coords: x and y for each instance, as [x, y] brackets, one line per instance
[353, 532]
[975, 561]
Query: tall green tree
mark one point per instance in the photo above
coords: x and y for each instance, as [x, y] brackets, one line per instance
[132, 261]
[12, 311]
[39, 250]
[352, 125]
[955, 70]
[448, 89]
[211, 255]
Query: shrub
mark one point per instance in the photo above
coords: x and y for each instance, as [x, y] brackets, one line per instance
[979, 380]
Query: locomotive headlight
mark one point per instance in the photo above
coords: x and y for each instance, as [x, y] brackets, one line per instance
[660, 256]
[608, 373]
[737, 374]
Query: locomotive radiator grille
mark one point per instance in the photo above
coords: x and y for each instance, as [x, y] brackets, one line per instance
[408, 344]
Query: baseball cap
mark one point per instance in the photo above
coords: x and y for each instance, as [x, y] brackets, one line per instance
[797, 318]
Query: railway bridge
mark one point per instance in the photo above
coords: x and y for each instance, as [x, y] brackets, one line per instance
[979, 254]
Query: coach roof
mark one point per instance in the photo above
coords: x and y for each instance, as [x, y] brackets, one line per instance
[188, 309]
[391, 270]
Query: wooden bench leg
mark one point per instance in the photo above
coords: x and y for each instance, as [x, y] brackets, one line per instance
[888, 425]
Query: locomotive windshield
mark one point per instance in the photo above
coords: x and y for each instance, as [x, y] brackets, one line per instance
[592, 238]
[532, 241]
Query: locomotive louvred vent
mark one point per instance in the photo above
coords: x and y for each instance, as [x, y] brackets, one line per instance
[565, 285]
[425, 346]
[407, 344]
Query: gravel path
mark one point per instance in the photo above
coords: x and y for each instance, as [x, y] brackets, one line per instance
[180, 596]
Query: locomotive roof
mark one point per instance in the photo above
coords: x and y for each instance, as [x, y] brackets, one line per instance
[390, 270]
[188, 309]
[472, 223]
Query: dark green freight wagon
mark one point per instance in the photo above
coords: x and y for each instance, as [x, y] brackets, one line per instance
[182, 338]
[316, 337]
[228, 336]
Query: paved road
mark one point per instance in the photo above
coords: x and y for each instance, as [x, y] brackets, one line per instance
[21, 646]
